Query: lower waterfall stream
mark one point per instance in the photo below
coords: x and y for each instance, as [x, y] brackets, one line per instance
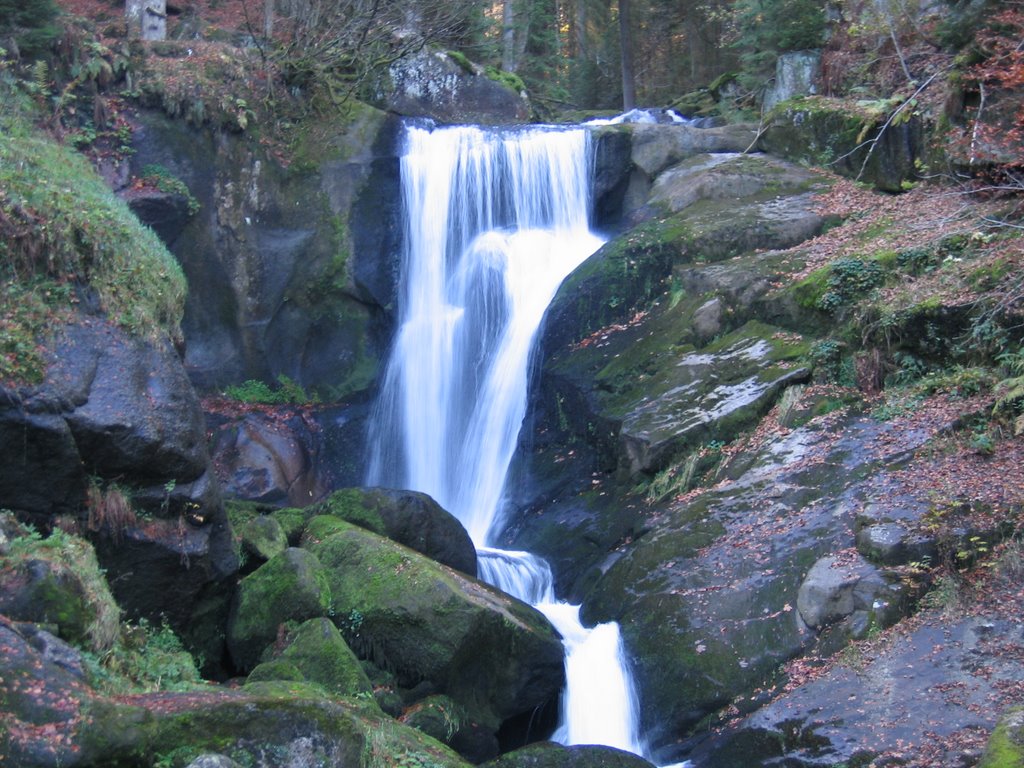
[495, 220]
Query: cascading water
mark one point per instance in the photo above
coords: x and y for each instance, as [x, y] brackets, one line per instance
[494, 222]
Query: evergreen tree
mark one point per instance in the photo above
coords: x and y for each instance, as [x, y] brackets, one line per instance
[29, 24]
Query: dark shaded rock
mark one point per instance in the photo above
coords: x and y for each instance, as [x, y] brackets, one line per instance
[166, 213]
[43, 470]
[408, 517]
[165, 569]
[444, 719]
[269, 457]
[291, 271]
[550, 755]
[131, 422]
[432, 84]
[849, 715]
[893, 544]
[428, 623]
[52, 649]
[292, 586]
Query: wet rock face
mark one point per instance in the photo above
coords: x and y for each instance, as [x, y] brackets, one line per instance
[850, 715]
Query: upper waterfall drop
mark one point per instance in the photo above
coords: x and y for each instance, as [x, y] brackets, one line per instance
[494, 221]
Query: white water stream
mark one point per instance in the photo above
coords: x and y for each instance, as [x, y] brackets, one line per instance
[495, 220]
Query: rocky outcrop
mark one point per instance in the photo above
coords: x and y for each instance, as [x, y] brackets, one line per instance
[629, 157]
[850, 715]
[450, 89]
[854, 143]
[291, 271]
[113, 443]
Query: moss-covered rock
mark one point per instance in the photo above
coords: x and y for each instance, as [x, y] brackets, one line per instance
[291, 586]
[1005, 747]
[262, 538]
[317, 649]
[408, 517]
[550, 755]
[848, 138]
[493, 654]
[58, 582]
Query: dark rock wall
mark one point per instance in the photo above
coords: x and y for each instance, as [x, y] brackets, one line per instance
[291, 271]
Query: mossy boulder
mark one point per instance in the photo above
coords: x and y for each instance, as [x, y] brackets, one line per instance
[262, 538]
[292, 586]
[408, 517]
[429, 623]
[57, 582]
[551, 755]
[1005, 747]
[444, 719]
[851, 139]
[318, 653]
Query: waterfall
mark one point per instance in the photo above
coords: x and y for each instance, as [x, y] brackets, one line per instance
[495, 220]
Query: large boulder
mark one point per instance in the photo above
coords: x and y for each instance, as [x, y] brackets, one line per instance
[629, 157]
[57, 583]
[292, 586]
[450, 89]
[113, 442]
[849, 590]
[411, 518]
[427, 623]
[797, 73]
[317, 651]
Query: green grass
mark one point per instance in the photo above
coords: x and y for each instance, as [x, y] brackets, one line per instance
[63, 236]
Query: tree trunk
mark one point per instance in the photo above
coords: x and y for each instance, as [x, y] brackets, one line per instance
[508, 36]
[146, 19]
[626, 49]
[268, 18]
